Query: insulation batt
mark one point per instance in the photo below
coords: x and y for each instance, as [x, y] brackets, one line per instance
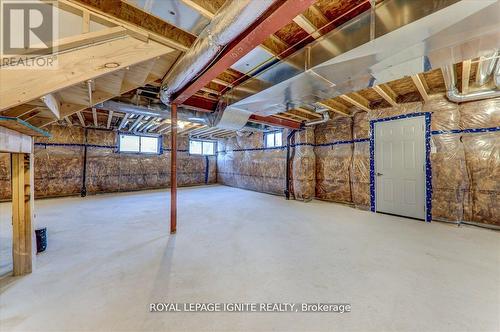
[360, 175]
[482, 153]
[465, 167]
[5, 187]
[59, 169]
[482, 156]
[333, 163]
[304, 166]
[258, 170]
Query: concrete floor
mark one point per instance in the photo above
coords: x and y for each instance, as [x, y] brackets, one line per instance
[109, 256]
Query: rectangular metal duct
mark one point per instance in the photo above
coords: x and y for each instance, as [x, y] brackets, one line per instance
[399, 38]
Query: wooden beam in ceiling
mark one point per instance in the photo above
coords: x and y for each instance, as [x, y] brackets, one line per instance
[23, 85]
[466, 67]
[314, 12]
[222, 82]
[386, 92]
[203, 10]
[80, 117]
[357, 100]
[334, 107]
[287, 116]
[419, 83]
[307, 26]
[110, 117]
[125, 14]
[124, 121]
[306, 111]
[78, 41]
[68, 120]
[18, 111]
[136, 122]
[85, 21]
[148, 124]
[209, 90]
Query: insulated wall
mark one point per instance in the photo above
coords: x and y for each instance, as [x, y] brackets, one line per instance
[465, 158]
[59, 165]
[5, 187]
[332, 161]
[243, 162]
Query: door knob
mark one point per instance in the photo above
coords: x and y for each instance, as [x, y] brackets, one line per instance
[379, 174]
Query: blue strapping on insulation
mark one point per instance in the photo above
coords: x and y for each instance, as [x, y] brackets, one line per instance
[465, 131]
[96, 146]
[78, 145]
[428, 169]
[360, 140]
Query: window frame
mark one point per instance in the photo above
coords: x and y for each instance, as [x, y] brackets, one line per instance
[273, 132]
[158, 138]
[202, 141]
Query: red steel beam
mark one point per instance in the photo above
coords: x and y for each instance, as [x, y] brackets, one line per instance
[273, 121]
[173, 170]
[202, 103]
[274, 19]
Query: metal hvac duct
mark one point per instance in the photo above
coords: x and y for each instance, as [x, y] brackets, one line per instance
[398, 38]
[485, 67]
[158, 110]
[450, 79]
[324, 118]
[231, 20]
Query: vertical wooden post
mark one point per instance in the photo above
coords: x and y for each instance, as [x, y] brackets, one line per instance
[173, 170]
[22, 209]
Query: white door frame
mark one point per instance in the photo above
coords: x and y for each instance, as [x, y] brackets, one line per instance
[428, 171]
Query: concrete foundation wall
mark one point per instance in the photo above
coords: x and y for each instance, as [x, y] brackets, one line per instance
[59, 165]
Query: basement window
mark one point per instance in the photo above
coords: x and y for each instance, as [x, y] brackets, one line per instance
[204, 148]
[273, 139]
[139, 144]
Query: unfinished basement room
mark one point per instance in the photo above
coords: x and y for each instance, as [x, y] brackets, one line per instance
[250, 165]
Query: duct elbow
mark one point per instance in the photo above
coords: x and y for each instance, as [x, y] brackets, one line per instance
[325, 118]
[165, 95]
[454, 96]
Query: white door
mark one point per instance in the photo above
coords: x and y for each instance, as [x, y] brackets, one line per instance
[400, 167]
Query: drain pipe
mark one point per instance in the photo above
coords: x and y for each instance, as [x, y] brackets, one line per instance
[455, 96]
[287, 170]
